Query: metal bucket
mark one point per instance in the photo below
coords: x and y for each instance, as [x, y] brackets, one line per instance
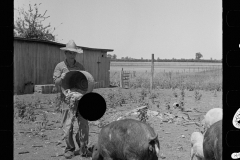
[80, 80]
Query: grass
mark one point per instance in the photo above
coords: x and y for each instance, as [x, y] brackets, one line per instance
[31, 113]
[205, 80]
[197, 95]
[25, 111]
[210, 80]
[116, 99]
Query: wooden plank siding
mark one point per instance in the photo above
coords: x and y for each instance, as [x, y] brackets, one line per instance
[35, 62]
[91, 59]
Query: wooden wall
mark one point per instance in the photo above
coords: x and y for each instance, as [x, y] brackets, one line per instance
[35, 62]
[98, 65]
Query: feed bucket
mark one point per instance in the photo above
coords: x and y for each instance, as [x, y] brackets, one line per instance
[81, 80]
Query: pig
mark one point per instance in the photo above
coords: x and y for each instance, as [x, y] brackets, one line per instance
[127, 139]
[197, 146]
[212, 142]
[212, 116]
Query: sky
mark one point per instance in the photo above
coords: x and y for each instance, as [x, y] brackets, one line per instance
[138, 28]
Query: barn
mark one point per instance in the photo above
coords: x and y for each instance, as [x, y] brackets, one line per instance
[35, 61]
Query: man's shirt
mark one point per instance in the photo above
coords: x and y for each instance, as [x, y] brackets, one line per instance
[63, 67]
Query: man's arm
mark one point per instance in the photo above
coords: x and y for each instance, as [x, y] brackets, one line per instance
[57, 75]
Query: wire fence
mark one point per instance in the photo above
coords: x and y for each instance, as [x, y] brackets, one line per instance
[210, 75]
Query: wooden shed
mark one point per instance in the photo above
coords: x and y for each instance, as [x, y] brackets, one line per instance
[35, 61]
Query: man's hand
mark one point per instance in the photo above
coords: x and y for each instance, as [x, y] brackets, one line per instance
[63, 75]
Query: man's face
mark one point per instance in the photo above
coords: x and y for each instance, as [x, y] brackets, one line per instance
[70, 55]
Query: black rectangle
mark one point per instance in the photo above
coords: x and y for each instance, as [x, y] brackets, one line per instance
[233, 138]
[233, 58]
[233, 98]
[6, 14]
[6, 119]
[231, 38]
[233, 18]
[6, 78]
[7, 60]
[6, 144]
[231, 78]
[231, 81]
[6, 98]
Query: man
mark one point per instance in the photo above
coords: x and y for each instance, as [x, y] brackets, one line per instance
[68, 118]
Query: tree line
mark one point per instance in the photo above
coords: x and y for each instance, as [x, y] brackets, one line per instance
[166, 60]
[198, 57]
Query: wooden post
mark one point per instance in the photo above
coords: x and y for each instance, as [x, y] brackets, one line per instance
[121, 78]
[152, 73]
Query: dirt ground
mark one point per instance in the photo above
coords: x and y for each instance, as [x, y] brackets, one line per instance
[32, 143]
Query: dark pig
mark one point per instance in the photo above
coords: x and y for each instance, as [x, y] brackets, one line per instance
[127, 139]
[212, 142]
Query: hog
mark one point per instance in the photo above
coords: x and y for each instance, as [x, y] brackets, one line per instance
[212, 142]
[127, 139]
[212, 116]
[197, 146]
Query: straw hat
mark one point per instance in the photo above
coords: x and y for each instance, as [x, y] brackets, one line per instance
[71, 46]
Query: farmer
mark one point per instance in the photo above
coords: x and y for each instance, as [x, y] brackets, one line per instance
[68, 116]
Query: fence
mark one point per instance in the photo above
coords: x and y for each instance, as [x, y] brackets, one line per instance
[123, 79]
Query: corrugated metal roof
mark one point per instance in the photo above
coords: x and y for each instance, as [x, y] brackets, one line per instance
[60, 44]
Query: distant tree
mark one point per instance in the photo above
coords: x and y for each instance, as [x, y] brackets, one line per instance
[198, 56]
[109, 56]
[114, 56]
[29, 24]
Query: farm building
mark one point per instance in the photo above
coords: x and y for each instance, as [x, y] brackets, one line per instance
[35, 61]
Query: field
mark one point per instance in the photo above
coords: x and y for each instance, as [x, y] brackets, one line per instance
[37, 128]
[191, 76]
[165, 66]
